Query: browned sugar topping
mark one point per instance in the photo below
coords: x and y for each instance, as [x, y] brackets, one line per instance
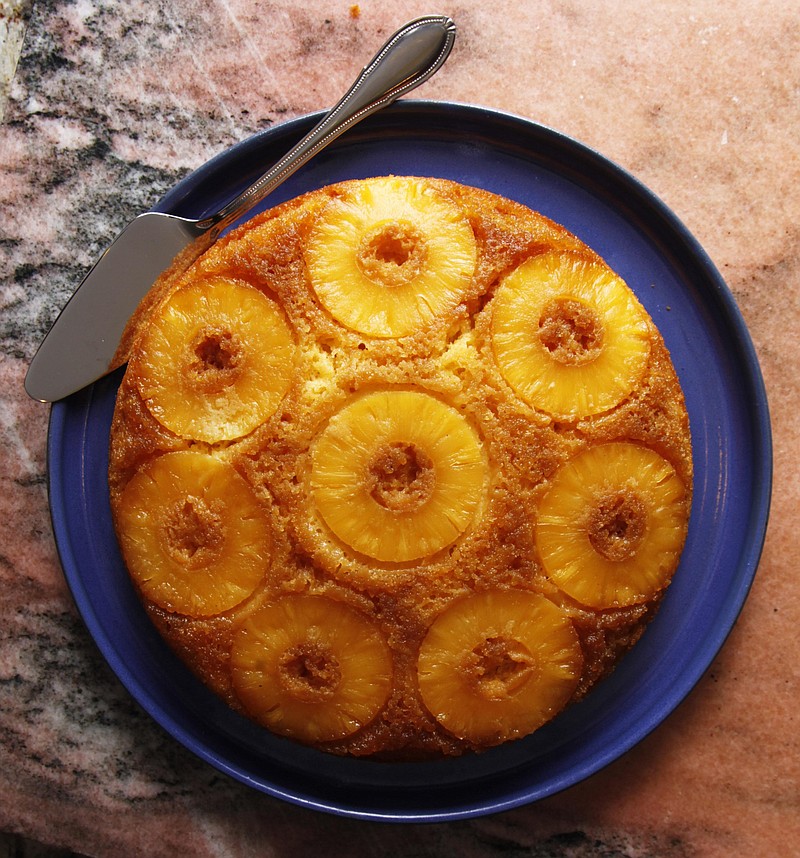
[571, 331]
[393, 254]
[617, 525]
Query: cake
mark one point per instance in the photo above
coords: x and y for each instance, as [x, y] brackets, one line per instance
[399, 468]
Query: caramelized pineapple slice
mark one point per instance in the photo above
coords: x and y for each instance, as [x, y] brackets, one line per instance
[194, 536]
[216, 361]
[498, 665]
[390, 256]
[398, 475]
[311, 668]
[568, 335]
[611, 528]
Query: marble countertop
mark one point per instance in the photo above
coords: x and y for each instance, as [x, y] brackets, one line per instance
[111, 103]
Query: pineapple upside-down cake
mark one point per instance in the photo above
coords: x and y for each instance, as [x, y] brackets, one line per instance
[399, 468]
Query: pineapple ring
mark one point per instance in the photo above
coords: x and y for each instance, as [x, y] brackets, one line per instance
[193, 534]
[389, 257]
[311, 668]
[497, 665]
[216, 362]
[612, 525]
[568, 335]
[432, 453]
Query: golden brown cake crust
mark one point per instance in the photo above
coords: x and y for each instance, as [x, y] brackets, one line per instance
[452, 360]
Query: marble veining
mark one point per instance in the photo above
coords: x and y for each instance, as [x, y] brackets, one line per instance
[111, 103]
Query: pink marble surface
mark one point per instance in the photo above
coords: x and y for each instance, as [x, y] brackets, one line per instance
[114, 101]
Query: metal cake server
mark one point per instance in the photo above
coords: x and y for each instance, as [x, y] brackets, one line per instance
[81, 345]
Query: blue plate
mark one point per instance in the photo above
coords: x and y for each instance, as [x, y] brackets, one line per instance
[714, 357]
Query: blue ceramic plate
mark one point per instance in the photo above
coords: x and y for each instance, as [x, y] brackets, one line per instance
[712, 352]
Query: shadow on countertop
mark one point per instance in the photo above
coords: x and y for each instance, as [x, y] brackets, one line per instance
[16, 846]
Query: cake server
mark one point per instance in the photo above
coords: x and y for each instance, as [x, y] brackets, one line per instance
[82, 344]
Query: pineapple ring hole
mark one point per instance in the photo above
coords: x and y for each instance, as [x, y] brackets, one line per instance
[217, 358]
[309, 672]
[617, 524]
[392, 254]
[401, 477]
[571, 331]
[193, 532]
[498, 667]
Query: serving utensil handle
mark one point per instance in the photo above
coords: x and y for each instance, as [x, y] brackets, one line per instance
[414, 53]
